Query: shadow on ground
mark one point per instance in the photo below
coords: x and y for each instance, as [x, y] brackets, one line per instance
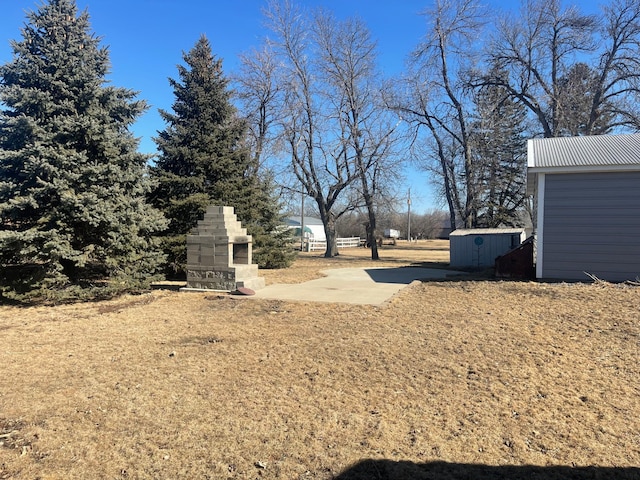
[390, 470]
[406, 275]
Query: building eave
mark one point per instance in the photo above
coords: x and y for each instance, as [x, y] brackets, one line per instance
[585, 169]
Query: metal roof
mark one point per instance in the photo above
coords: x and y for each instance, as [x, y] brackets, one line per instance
[596, 152]
[296, 221]
[485, 231]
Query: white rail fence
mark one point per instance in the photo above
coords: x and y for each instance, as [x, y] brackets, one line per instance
[347, 242]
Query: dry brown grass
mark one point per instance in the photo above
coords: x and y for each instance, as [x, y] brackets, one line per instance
[171, 385]
[308, 265]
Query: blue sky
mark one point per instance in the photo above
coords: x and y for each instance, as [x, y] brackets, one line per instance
[146, 39]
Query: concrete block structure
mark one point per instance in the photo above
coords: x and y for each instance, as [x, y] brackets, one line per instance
[219, 254]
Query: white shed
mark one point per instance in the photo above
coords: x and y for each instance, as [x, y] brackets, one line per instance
[313, 227]
[479, 247]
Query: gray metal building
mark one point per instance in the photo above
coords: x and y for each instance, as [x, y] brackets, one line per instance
[587, 192]
[479, 247]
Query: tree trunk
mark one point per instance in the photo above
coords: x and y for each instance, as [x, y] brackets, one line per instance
[371, 236]
[330, 234]
[371, 228]
[329, 223]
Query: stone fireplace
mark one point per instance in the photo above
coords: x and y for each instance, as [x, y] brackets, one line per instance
[219, 254]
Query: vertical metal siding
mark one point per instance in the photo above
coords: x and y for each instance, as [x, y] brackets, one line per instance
[592, 224]
[465, 253]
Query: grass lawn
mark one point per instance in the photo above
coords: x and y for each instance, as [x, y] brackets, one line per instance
[467, 378]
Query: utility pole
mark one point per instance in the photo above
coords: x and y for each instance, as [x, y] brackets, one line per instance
[302, 221]
[409, 216]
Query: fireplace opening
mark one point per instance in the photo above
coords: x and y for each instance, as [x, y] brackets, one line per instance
[241, 253]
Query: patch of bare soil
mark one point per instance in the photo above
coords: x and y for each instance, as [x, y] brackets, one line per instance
[455, 379]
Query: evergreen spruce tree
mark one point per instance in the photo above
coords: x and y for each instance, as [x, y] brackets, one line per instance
[204, 160]
[272, 242]
[500, 146]
[72, 184]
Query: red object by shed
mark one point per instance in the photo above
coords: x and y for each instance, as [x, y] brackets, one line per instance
[517, 263]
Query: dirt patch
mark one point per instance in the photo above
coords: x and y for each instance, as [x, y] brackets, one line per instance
[117, 307]
[13, 438]
[456, 379]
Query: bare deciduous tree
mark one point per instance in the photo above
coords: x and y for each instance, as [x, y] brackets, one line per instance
[438, 99]
[540, 49]
[430, 224]
[576, 91]
[318, 159]
[329, 121]
[258, 89]
[348, 61]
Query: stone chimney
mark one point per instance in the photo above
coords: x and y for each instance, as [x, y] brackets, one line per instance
[219, 254]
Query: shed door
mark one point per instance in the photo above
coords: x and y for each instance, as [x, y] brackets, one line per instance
[592, 224]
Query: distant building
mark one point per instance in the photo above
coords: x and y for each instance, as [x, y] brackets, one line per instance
[313, 227]
[444, 231]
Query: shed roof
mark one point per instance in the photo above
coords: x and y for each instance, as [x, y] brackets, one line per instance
[591, 153]
[296, 221]
[485, 231]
